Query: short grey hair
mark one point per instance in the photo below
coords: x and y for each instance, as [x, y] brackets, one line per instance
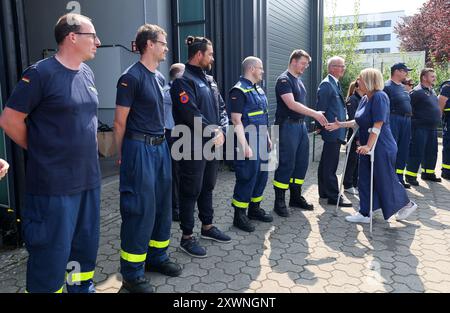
[333, 60]
[250, 62]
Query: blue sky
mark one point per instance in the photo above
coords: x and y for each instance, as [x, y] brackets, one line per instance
[345, 7]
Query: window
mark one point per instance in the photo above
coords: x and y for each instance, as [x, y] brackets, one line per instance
[375, 50]
[364, 25]
[372, 38]
[190, 20]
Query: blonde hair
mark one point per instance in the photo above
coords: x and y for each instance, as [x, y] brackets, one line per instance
[373, 79]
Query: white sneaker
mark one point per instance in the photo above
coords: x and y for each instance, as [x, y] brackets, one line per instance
[352, 191]
[406, 211]
[358, 218]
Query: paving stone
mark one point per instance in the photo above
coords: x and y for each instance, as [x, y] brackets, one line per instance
[307, 252]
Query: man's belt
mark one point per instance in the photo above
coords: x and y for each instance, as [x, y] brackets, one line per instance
[147, 139]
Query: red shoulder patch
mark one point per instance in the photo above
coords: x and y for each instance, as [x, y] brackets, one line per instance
[184, 98]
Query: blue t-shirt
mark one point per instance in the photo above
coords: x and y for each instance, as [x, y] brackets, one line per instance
[288, 83]
[61, 128]
[139, 90]
[399, 98]
[426, 110]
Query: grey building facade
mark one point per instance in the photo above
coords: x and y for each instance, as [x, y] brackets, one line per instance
[269, 29]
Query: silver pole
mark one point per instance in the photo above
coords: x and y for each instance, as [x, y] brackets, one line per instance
[372, 165]
[348, 147]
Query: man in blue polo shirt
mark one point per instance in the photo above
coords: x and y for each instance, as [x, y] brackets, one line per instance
[401, 113]
[444, 104]
[145, 171]
[52, 113]
[425, 121]
[294, 140]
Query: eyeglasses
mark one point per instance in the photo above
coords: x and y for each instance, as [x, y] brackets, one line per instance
[93, 35]
[341, 66]
[162, 42]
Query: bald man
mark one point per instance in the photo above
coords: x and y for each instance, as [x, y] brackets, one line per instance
[248, 106]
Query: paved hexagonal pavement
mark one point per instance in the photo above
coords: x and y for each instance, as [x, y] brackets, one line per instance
[307, 252]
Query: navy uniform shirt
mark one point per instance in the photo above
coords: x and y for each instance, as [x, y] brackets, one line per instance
[196, 95]
[139, 90]
[399, 98]
[288, 83]
[425, 107]
[61, 128]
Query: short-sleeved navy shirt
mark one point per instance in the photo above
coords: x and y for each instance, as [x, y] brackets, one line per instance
[61, 128]
[288, 83]
[426, 110]
[139, 90]
[237, 101]
[399, 98]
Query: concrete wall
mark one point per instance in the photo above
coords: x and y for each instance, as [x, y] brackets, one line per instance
[116, 23]
[288, 28]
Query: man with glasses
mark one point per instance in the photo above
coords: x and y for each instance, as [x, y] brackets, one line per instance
[400, 118]
[294, 140]
[145, 166]
[61, 217]
[330, 100]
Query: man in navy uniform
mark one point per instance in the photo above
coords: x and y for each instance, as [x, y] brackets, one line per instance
[444, 104]
[294, 140]
[425, 121]
[401, 112]
[331, 101]
[145, 170]
[52, 113]
[248, 110]
[196, 100]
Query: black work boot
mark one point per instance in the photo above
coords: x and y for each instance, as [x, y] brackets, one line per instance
[412, 181]
[140, 285]
[431, 177]
[256, 213]
[241, 220]
[297, 201]
[280, 203]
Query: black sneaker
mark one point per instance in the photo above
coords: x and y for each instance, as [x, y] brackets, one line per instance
[215, 234]
[140, 285]
[167, 268]
[191, 247]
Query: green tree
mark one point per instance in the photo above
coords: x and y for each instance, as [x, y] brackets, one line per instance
[341, 38]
